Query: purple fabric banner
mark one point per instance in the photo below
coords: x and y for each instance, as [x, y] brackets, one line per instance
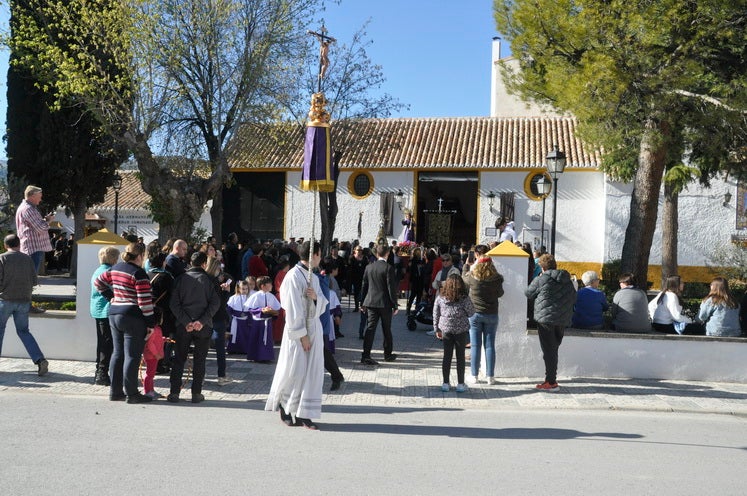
[317, 173]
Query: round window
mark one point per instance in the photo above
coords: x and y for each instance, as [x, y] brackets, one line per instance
[360, 184]
[537, 185]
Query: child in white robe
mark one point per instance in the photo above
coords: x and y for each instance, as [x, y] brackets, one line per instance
[263, 306]
[239, 322]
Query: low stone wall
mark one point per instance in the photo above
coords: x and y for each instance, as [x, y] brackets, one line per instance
[626, 355]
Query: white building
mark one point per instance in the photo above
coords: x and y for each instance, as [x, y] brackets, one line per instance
[481, 169]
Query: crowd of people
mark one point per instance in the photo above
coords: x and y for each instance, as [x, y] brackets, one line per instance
[159, 305]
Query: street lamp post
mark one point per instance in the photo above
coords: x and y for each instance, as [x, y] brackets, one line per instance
[117, 185]
[543, 189]
[555, 162]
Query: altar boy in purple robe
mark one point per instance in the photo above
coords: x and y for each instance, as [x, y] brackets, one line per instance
[263, 307]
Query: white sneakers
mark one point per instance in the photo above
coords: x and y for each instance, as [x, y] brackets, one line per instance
[462, 388]
[445, 387]
[473, 379]
[222, 381]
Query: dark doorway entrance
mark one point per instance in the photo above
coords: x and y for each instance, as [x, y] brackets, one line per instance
[254, 206]
[458, 194]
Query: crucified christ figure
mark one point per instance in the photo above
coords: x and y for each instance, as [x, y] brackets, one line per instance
[324, 43]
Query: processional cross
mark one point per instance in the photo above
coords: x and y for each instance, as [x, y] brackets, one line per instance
[324, 43]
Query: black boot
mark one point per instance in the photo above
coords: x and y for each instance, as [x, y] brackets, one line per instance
[102, 377]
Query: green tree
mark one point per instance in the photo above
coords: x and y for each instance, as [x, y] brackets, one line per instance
[645, 79]
[63, 150]
[187, 72]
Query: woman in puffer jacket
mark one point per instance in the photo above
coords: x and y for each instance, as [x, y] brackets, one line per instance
[554, 296]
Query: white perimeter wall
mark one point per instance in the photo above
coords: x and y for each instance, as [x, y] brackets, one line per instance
[704, 222]
[519, 355]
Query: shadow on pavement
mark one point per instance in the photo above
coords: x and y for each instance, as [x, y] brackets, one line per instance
[474, 432]
[647, 387]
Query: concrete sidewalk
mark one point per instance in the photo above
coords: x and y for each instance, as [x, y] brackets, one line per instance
[414, 380]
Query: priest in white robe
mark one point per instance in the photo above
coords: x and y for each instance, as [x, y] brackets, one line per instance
[297, 386]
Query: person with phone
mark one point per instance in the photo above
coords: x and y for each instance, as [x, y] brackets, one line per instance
[33, 230]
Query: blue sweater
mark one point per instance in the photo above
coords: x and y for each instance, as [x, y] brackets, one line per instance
[590, 304]
[99, 303]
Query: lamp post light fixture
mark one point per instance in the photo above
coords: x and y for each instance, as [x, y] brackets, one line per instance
[543, 189]
[555, 162]
[117, 185]
[491, 200]
[727, 198]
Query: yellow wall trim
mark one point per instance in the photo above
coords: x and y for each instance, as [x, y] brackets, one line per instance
[689, 273]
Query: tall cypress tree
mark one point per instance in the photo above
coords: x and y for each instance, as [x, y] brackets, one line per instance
[62, 150]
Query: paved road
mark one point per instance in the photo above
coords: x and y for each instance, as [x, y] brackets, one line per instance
[389, 430]
[83, 445]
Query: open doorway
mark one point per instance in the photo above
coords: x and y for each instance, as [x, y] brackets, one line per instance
[447, 208]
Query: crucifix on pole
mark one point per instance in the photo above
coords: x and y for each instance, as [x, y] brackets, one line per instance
[324, 43]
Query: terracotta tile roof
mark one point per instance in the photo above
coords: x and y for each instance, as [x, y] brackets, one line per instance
[131, 195]
[423, 143]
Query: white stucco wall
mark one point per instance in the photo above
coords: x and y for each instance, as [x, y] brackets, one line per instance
[704, 222]
[580, 220]
[299, 207]
[518, 354]
[579, 195]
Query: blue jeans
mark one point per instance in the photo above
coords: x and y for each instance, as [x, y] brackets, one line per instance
[38, 258]
[128, 337]
[20, 312]
[482, 327]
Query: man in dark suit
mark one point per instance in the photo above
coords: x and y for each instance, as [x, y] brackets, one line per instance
[379, 297]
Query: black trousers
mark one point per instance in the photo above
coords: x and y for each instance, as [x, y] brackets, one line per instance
[330, 365]
[550, 337]
[104, 345]
[416, 294]
[374, 315]
[454, 342]
[665, 328]
[184, 339]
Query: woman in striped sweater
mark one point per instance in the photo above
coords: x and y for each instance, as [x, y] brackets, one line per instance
[131, 318]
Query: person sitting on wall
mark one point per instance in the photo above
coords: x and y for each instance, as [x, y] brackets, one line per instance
[591, 303]
[666, 309]
[630, 307]
[719, 311]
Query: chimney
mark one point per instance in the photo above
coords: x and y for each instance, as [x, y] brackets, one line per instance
[495, 74]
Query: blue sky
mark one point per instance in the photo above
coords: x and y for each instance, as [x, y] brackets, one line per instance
[435, 54]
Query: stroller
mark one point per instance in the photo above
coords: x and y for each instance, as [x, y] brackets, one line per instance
[423, 313]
